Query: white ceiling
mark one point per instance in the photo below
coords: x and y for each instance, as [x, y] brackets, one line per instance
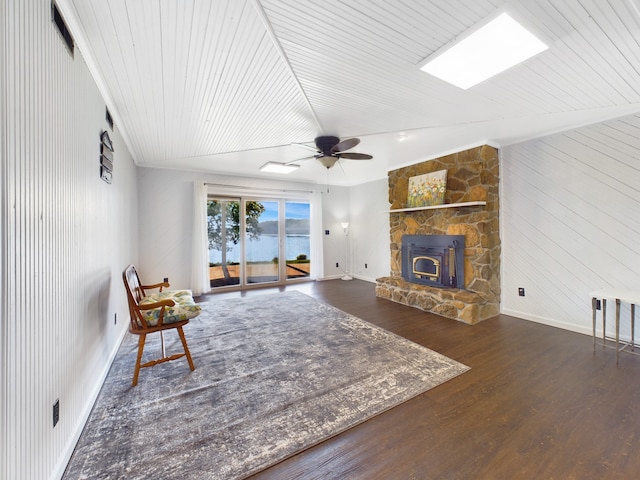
[224, 86]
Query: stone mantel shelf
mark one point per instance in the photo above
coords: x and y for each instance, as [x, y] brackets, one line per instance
[444, 205]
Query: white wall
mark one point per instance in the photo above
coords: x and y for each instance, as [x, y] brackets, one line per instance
[166, 226]
[335, 210]
[166, 223]
[66, 237]
[369, 216]
[570, 221]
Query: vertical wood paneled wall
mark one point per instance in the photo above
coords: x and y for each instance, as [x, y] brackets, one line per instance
[570, 221]
[66, 237]
[4, 304]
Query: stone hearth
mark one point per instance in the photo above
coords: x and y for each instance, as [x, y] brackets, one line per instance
[472, 175]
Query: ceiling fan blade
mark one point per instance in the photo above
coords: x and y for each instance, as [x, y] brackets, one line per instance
[345, 145]
[308, 147]
[355, 156]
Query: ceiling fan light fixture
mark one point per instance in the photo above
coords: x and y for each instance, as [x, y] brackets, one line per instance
[495, 47]
[277, 167]
[328, 162]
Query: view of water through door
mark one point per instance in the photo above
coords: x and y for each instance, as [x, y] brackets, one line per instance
[274, 248]
[297, 235]
[223, 229]
[262, 242]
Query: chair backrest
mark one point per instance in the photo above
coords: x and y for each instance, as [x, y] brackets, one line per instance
[135, 293]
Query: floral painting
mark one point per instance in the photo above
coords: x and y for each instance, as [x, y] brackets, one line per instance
[427, 189]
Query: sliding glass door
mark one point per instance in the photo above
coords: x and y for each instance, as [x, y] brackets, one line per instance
[297, 239]
[262, 240]
[275, 245]
[225, 252]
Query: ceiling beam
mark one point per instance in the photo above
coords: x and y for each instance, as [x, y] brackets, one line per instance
[276, 43]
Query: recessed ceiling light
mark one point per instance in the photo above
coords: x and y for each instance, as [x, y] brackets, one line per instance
[275, 167]
[402, 137]
[495, 47]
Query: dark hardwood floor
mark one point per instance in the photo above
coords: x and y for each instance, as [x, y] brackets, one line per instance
[536, 404]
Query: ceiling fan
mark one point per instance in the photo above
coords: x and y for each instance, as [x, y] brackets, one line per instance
[330, 149]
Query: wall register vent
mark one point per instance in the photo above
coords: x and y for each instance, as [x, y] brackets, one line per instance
[63, 30]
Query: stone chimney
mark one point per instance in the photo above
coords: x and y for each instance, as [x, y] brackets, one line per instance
[472, 175]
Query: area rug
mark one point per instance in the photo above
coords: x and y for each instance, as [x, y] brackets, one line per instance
[275, 374]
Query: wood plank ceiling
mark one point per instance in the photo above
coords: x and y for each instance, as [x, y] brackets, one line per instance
[225, 85]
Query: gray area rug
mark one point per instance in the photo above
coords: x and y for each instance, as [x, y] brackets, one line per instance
[275, 374]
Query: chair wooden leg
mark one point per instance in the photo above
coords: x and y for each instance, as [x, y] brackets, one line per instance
[141, 340]
[186, 349]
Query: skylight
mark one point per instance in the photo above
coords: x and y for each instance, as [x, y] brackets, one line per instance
[497, 46]
[276, 167]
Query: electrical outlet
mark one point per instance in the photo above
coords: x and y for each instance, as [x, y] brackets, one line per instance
[365, 265]
[56, 412]
[326, 232]
[337, 265]
[521, 292]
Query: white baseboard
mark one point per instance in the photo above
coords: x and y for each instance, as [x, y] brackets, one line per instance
[332, 277]
[366, 279]
[336, 277]
[61, 466]
[624, 337]
[548, 321]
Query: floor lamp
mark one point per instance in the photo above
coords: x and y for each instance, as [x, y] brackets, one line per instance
[346, 276]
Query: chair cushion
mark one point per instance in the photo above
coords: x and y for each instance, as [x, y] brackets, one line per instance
[174, 294]
[185, 307]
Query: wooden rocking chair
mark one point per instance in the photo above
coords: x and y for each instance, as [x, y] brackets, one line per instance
[157, 312]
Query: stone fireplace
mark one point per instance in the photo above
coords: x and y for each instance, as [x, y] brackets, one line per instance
[472, 293]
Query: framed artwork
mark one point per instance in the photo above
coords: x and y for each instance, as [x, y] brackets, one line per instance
[427, 189]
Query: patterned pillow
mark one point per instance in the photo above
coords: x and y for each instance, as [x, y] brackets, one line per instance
[185, 307]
